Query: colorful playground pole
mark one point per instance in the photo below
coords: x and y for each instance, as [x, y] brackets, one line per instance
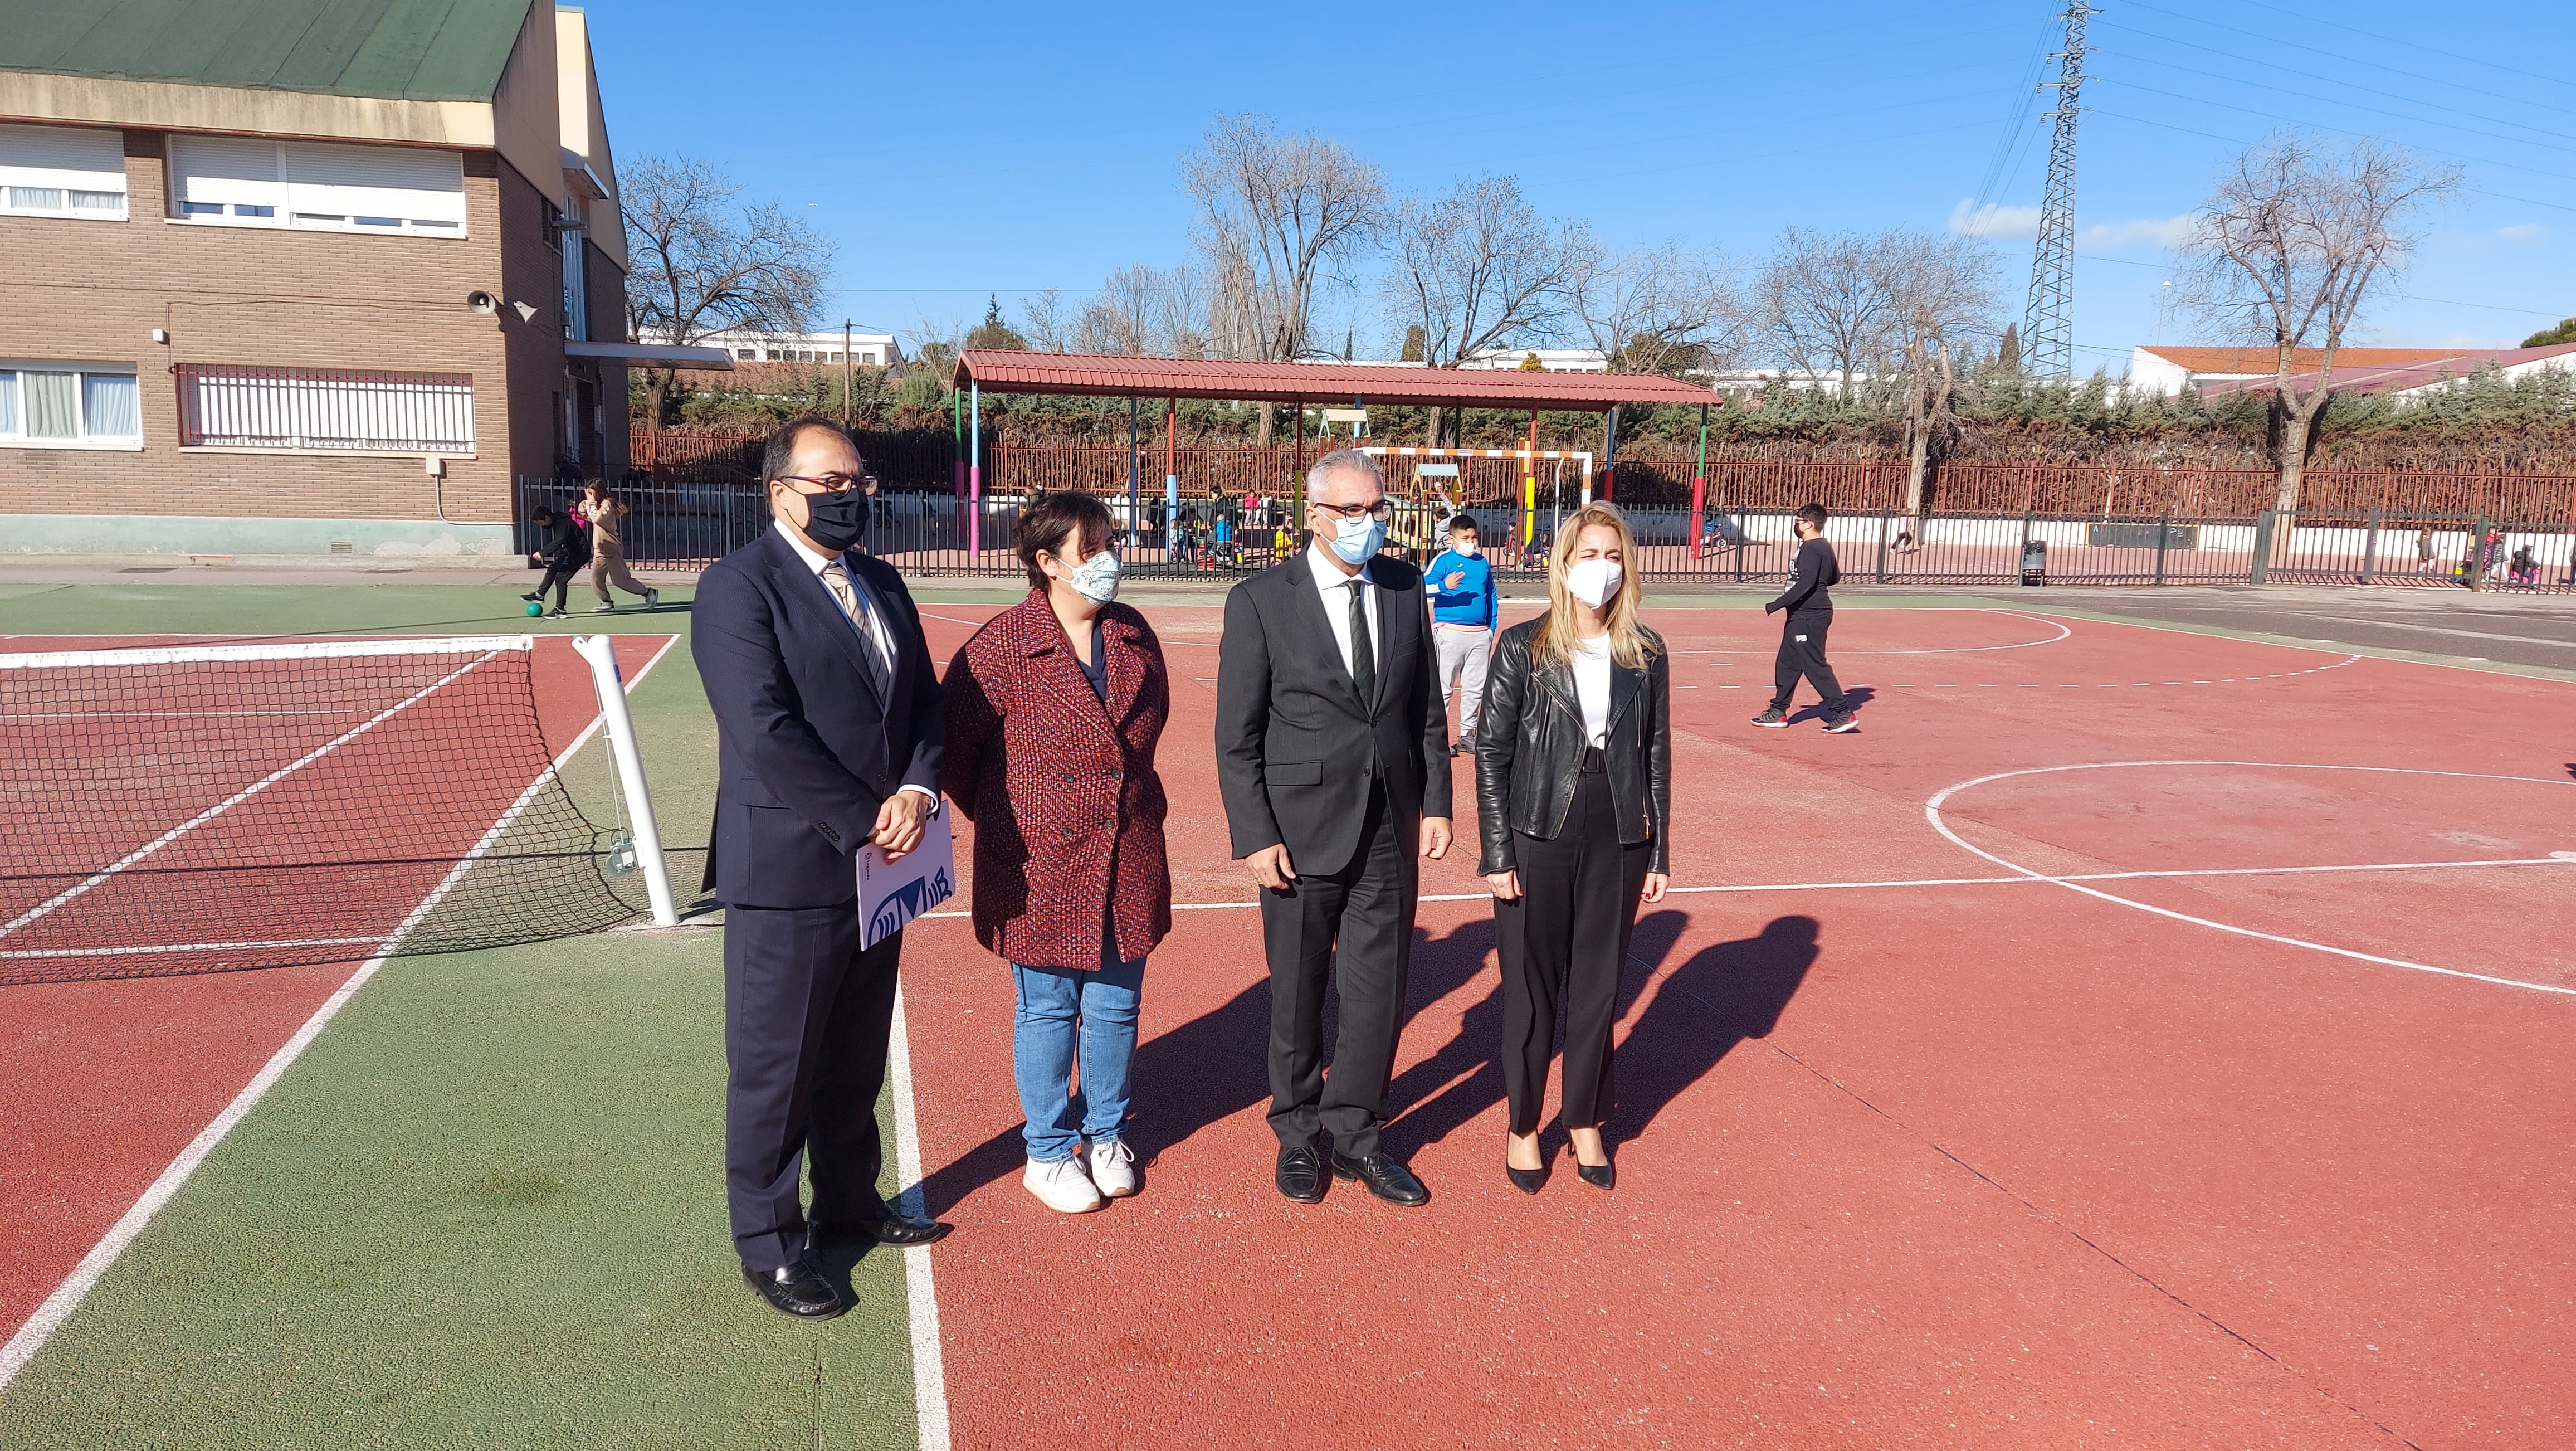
[1131, 467]
[1699, 485]
[957, 443]
[1609, 453]
[1172, 460]
[1529, 483]
[975, 470]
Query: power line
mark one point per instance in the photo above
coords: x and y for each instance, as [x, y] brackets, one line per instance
[2393, 40]
[2355, 105]
[2164, 39]
[2240, 141]
[2338, 130]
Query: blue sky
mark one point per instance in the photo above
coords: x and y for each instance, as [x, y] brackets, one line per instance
[956, 150]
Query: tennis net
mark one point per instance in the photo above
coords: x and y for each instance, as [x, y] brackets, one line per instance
[213, 808]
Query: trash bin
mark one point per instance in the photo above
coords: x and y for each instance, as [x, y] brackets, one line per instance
[2034, 562]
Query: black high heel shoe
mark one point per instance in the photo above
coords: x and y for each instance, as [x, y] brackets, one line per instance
[1528, 1181]
[1599, 1176]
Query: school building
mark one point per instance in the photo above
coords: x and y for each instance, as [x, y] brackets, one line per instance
[320, 278]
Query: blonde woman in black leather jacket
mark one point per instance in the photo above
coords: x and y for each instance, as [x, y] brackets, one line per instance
[1574, 797]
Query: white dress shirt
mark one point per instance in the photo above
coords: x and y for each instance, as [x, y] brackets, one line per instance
[1592, 687]
[1335, 587]
[871, 626]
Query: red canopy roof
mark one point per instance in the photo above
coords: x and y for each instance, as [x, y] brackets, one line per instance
[1005, 371]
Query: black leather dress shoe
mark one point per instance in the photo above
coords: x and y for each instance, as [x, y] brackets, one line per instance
[894, 1229]
[1301, 1174]
[797, 1289]
[1385, 1178]
[1599, 1176]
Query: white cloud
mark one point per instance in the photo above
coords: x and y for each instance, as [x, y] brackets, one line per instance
[2522, 234]
[2151, 231]
[1968, 219]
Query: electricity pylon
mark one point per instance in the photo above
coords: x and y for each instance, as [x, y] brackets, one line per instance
[2048, 327]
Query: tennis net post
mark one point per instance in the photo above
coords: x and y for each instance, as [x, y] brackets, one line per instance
[601, 652]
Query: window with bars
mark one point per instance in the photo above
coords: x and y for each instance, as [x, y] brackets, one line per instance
[325, 409]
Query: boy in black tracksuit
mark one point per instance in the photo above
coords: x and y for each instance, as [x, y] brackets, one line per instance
[1812, 575]
[560, 551]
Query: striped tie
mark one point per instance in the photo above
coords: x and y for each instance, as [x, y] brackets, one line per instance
[838, 578]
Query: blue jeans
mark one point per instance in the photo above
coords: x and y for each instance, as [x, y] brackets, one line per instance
[1055, 1005]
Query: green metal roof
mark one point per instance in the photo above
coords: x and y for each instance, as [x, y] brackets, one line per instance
[412, 50]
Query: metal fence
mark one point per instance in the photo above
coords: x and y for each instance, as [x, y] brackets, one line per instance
[939, 535]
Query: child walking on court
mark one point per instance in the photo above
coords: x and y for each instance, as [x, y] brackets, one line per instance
[1464, 611]
[1809, 604]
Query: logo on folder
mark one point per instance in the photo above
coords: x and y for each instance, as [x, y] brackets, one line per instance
[893, 893]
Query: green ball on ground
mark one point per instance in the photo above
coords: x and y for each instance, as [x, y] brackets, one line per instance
[535, 609]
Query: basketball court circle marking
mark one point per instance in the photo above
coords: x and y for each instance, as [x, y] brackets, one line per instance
[2062, 633]
[1932, 814]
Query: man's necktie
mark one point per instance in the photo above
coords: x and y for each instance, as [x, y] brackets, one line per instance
[847, 593]
[1363, 649]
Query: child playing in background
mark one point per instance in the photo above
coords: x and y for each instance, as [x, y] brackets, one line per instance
[1464, 610]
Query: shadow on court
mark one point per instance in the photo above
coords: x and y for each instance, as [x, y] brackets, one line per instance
[1213, 1067]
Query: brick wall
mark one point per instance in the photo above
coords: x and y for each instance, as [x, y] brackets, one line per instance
[93, 291]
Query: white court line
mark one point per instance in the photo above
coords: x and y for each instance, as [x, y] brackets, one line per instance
[1932, 813]
[2366, 652]
[237, 798]
[67, 1296]
[921, 1295]
[2555, 860]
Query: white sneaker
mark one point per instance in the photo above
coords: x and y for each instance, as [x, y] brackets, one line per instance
[1113, 1168]
[652, 599]
[606, 609]
[1061, 1186]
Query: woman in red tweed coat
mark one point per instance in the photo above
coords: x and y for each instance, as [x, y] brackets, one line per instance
[1054, 709]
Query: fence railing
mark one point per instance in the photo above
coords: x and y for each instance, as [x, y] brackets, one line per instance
[938, 535]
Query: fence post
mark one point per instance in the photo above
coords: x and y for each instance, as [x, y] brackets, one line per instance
[2370, 548]
[2012, 571]
[2261, 570]
[2477, 551]
[2164, 536]
[1739, 549]
[1883, 519]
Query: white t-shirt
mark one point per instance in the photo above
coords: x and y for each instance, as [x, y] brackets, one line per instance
[1592, 687]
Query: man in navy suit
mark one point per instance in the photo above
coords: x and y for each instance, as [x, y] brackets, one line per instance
[828, 737]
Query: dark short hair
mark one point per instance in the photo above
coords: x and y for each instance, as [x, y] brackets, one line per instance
[1462, 523]
[778, 455]
[543, 511]
[1049, 519]
[1813, 515]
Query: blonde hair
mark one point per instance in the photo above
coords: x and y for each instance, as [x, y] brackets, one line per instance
[1632, 644]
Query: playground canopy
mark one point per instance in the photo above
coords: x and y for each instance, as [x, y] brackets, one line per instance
[1104, 375]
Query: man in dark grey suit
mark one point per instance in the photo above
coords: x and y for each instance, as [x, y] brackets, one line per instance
[828, 727]
[1333, 759]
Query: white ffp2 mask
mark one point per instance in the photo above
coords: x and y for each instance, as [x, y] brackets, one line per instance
[1592, 581]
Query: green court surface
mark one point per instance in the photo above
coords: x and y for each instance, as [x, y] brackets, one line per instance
[486, 1207]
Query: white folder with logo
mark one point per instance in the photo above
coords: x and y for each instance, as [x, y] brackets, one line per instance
[893, 893]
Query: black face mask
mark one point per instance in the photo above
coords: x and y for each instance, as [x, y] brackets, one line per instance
[836, 521]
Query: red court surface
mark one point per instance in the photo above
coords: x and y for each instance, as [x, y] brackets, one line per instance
[1922, 1140]
[102, 1083]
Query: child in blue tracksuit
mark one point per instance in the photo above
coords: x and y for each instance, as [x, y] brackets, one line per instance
[1464, 610]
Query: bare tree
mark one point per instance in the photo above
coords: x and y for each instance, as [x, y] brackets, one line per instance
[1146, 310]
[2295, 242]
[1473, 268]
[1042, 321]
[1275, 212]
[1661, 309]
[1850, 303]
[703, 265]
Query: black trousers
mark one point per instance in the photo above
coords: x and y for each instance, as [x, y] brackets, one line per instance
[1567, 937]
[1802, 652]
[806, 1019]
[558, 578]
[1357, 922]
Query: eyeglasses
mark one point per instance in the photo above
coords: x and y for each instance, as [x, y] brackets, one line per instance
[1380, 511]
[829, 483]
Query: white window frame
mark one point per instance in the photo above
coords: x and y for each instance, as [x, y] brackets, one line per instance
[67, 182]
[281, 207]
[17, 370]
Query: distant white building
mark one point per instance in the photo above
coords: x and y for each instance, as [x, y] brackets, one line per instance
[868, 350]
[1552, 360]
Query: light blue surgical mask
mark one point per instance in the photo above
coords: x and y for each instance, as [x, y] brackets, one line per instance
[1096, 578]
[1356, 540]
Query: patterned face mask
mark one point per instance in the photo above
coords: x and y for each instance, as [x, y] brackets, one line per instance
[1096, 578]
